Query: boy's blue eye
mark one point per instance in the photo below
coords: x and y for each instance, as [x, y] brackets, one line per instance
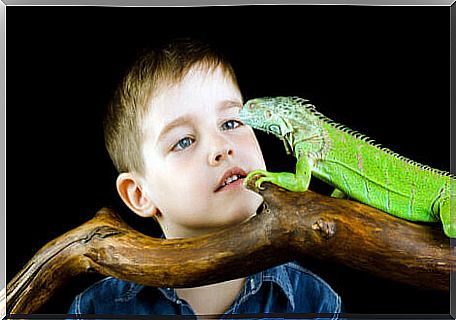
[183, 144]
[231, 124]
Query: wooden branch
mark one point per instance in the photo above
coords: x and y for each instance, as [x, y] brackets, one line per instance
[293, 226]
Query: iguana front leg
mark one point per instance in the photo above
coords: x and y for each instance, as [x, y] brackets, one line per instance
[298, 182]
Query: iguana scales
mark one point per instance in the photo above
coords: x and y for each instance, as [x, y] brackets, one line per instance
[351, 162]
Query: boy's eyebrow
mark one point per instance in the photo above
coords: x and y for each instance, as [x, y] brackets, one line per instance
[230, 104]
[173, 124]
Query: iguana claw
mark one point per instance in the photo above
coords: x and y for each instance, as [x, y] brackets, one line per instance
[260, 181]
[254, 173]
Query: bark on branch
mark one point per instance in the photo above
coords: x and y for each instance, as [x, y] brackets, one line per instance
[292, 226]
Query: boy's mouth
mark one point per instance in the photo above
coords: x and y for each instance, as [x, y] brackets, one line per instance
[232, 177]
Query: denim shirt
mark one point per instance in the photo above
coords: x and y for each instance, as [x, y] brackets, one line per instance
[284, 289]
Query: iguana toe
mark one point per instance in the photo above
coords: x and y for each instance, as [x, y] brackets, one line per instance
[253, 174]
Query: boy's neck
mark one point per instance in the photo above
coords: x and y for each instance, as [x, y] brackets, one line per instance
[212, 299]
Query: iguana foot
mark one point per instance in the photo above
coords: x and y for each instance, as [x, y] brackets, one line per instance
[285, 180]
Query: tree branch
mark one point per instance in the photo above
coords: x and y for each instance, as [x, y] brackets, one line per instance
[292, 226]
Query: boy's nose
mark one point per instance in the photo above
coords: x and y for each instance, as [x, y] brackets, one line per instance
[216, 157]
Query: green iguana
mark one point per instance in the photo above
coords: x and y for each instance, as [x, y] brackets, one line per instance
[351, 162]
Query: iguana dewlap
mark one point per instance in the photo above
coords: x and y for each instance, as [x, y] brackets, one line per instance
[351, 162]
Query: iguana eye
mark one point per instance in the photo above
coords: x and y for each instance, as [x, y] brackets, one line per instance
[268, 114]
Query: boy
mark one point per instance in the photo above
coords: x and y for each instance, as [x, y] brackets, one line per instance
[174, 135]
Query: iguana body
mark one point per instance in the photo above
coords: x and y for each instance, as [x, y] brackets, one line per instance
[351, 163]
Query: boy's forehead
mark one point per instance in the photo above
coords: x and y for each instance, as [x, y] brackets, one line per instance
[201, 88]
[201, 78]
[204, 74]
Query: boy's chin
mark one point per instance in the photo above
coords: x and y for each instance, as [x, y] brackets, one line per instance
[256, 202]
[248, 212]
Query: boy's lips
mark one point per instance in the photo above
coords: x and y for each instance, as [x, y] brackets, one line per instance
[233, 176]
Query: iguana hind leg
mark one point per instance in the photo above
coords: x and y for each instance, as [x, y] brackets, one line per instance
[298, 182]
[447, 217]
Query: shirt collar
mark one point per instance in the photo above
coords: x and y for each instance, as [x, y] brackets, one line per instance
[277, 275]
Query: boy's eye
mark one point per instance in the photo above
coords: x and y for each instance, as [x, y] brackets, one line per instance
[183, 144]
[231, 124]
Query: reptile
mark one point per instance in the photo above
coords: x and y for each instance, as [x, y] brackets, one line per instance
[352, 163]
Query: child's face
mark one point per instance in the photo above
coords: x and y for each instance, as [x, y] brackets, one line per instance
[194, 140]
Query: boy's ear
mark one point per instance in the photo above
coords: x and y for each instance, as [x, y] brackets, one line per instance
[133, 195]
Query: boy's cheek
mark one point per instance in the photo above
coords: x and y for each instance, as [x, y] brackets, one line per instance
[250, 142]
[256, 152]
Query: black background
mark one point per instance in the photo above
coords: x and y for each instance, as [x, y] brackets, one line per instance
[383, 71]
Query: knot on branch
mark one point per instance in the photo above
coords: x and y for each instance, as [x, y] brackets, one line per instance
[325, 228]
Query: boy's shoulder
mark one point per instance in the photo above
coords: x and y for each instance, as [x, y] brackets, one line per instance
[116, 288]
[109, 290]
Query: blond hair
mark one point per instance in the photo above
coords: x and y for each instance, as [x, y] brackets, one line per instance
[153, 70]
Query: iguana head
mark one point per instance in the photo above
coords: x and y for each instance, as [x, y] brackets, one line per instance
[264, 114]
[291, 119]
